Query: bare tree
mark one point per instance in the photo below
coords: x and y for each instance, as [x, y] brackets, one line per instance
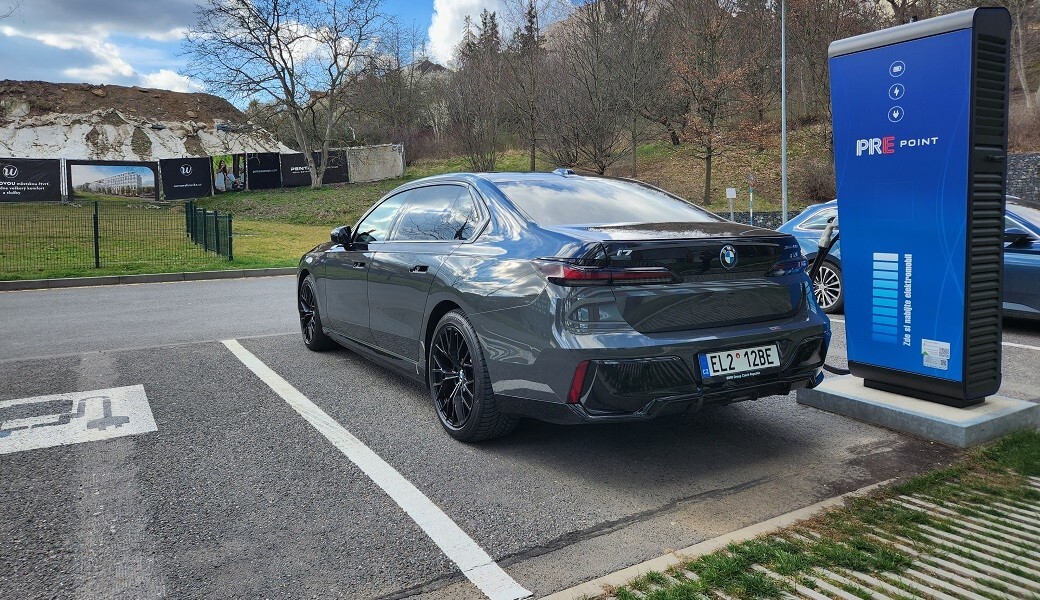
[398, 93]
[705, 60]
[638, 59]
[525, 59]
[587, 116]
[300, 54]
[559, 137]
[1024, 14]
[903, 11]
[1023, 45]
[811, 26]
[8, 9]
[475, 102]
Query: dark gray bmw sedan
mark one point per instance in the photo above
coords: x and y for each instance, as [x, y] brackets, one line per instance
[565, 298]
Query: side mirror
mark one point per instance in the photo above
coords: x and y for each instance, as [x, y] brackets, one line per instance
[341, 235]
[1015, 237]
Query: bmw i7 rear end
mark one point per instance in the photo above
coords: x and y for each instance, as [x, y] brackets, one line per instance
[569, 299]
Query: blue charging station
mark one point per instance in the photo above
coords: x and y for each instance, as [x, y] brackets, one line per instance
[920, 138]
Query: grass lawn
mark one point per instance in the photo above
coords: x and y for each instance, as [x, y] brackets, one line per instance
[274, 227]
[43, 241]
[888, 537]
[676, 169]
[340, 204]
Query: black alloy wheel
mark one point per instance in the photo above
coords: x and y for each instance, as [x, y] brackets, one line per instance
[460, 385]
[451, 366]
[310, 321]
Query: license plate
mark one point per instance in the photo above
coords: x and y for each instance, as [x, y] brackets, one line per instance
[744, 360]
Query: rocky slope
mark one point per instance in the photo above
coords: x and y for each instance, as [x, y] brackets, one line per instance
[109, 122]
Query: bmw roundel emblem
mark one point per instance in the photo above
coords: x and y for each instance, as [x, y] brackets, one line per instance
[728, 256]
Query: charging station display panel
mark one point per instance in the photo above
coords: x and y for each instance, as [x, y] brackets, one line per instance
[901, 157]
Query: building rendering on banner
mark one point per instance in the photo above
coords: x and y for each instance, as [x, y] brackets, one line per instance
[123, 184]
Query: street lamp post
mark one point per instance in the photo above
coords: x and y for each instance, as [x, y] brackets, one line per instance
[783, 109]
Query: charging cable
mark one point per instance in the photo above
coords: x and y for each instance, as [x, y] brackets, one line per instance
[825, 244]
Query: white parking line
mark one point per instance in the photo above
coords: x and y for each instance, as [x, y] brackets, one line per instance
[474, 562]
[1008, 344]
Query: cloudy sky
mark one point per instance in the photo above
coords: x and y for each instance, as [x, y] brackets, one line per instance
[138, 42]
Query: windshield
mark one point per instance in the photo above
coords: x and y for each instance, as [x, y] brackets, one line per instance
[1026, 213]
[593, 201]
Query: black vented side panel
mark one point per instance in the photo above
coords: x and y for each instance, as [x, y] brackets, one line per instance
[982, 297]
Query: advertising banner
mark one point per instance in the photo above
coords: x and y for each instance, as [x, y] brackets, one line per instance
[112, 180]
[294, 170]
[30, 180]
[296, 174]
[263, 171]
[185, 178]
[229, 172]
[336, 172]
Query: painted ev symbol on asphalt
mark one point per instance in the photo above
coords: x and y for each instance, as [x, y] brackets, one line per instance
[31, 423]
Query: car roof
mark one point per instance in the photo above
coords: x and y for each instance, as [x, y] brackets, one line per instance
[511, 177]
[1016, 201]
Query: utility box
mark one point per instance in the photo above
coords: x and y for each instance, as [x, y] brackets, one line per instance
[920, 138]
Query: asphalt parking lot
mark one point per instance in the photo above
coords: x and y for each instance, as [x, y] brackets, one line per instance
[233, 493]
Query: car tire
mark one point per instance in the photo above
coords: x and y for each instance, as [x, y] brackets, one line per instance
[455, 351]
[310, 320]
[828, 288]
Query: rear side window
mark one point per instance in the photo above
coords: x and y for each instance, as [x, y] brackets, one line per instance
[818, 222]
[437, 213]
[376, 226]
[592, 201]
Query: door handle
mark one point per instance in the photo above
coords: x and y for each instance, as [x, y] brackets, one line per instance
[359, 265]
[419, 269]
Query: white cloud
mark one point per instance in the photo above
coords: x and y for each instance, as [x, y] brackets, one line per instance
[169, 80]
[111, 66]
[106, 64]
[172, 35]
[100, 41]
[448, 24]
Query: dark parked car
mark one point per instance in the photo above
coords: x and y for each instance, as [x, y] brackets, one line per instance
[565, 298]
[1021, 256]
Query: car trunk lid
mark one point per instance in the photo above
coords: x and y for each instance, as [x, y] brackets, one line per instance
[723, 274]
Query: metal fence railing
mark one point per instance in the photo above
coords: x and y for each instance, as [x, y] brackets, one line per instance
[71, 238]
[209, 229]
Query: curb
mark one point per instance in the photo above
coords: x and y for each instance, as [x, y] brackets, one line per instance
[46, 284]
[594, 588]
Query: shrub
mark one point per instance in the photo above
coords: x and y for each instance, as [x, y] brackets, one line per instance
[814, 178]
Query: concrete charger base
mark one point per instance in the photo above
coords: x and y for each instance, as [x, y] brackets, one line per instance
[960, 427]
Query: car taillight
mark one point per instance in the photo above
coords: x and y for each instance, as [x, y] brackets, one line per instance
[788, 267]
[574, 395]
[568, 274]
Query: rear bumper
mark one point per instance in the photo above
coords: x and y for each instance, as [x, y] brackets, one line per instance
[631, 375]
[573, 414]
[645, 377]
